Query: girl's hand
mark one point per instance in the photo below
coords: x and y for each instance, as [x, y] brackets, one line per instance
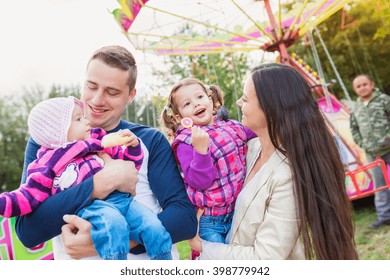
[130, 138]
[200, 140]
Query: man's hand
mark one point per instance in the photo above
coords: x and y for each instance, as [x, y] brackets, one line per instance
[200, 140]
[116, 175]
[76, 235]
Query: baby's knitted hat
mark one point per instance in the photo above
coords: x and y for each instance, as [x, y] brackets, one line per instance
[49, 121]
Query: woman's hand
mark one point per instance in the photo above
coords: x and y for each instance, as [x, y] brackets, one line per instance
[196, 242]
[76, 235]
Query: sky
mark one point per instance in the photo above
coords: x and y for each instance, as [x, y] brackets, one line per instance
[49, 42]
[46, 42]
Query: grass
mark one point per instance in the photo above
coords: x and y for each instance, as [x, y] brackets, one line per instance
[371, 244]
[184, 250]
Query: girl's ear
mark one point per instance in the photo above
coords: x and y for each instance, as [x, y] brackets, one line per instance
[178, 117]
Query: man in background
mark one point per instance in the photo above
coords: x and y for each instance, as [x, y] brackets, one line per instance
[370, 127]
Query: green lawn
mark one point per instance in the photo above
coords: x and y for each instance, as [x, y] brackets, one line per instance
[184, 250]
[372, 244]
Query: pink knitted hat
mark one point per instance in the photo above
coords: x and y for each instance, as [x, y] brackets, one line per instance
[49, 121]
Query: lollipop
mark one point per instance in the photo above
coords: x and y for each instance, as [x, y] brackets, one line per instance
[186, 122]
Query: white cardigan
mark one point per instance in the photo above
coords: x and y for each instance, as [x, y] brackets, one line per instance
[265, 221]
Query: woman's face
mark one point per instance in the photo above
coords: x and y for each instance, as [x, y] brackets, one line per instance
[252, 115]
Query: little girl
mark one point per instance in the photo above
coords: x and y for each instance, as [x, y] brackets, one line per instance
[68, 156]
[211, 154]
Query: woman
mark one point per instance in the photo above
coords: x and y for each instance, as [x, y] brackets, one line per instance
[293, 204]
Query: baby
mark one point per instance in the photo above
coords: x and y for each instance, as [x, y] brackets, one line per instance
[68, 156]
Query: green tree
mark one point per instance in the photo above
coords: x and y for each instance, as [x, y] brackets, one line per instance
[13, 136]
[361, 46]
[382, 14]
[145, 109]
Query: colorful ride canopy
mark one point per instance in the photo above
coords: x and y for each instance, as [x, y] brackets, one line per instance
[187, 27]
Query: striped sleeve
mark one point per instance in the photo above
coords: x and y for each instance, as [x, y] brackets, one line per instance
[134, 154]
[29, 195]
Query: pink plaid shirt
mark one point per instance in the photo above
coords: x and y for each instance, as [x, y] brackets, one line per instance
[227, 149]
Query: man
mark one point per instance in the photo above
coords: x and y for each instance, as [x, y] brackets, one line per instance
[109, 87]
[370, 127]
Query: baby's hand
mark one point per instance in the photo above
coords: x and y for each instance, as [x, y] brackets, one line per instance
[200, 140]
[129, 138]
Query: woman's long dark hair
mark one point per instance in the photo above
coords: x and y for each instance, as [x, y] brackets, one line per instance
[298, 130]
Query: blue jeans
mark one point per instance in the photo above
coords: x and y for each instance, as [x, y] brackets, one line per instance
[118, 219]
[215, 228]
[382, 198]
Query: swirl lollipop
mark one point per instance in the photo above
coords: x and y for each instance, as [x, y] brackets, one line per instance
[186, 122]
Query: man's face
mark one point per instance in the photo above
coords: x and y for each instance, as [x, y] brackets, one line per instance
[363, 87]
[106, 94]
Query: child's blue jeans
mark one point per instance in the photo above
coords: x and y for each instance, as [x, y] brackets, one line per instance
[215, 228]
[118, 219]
